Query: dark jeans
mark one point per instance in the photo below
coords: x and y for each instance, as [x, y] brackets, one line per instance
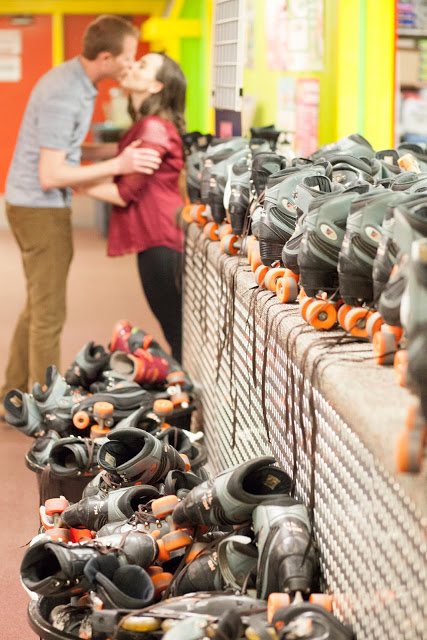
[160, 270]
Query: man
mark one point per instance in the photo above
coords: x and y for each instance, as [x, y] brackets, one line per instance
[44, 169]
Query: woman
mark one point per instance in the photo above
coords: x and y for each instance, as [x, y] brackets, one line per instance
[142, 217]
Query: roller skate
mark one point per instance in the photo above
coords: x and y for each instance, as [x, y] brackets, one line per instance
[93, 512]
[22, 412]
[86, 367]
[410, 224]
[143, 368]
[354, 144]
[269, 133]
[318, 259]
[355, 262]
[237, 206]
[287, 562]
[38, 455]
[413, 440]
[307, 620]
[231, 497]
[417, 150]
[75, 456]
[388, 159]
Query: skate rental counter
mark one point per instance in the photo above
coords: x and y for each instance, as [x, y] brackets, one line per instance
[317, 402]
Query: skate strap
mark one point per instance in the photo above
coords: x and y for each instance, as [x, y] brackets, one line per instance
[223, 565]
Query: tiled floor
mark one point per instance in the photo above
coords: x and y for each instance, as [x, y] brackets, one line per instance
[101, 291]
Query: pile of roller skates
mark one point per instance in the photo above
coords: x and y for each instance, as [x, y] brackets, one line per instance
[342, 233]
[134, 383]
[156, 549]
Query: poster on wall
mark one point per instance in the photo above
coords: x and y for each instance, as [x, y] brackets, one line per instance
[286, 113]
[10, 55]
[294, 35]
[249, 35]
[307, 116]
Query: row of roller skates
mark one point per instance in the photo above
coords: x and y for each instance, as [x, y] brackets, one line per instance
[155, 549]
[133, 382]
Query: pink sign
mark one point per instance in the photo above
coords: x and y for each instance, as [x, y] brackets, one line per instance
[307, 116]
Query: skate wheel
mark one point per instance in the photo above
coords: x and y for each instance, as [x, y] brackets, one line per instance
[98, 432]
[304, 303]
[164, 506]
[177, 539]
[163, 407]
[250, 243]
[210, 231]
[260, 274]
[228, 245]
[400, 365]
[176, 377]
[58, 534]
[81, 420]
[321, 315]
[196, 550]
[225, 230]
[384, 347]
[322, 600]
[411, 442]
[286, 289]
[154, 570]
[121, 331]
[55, 505]
[179, 399]
[342, 314]
[186, 213]
[270, 278]
[161, 582]
[255, 259]
[396, 331]
[102, 409]
[275, 601]
[355, 322]
[77, 535]
[197, 215]
[141, 623]
[374, 323]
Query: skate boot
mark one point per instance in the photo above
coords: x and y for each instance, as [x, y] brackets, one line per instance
[237, 205]
[86, 367]
[269, 133]
[52, 568]
[389, 166]
[124, 587]
[231, 564]
[354, 144]
[307, 620]
[418, 151]
[131, 455]
[120, 504]
[23, 413]
[282, 533]
[74, 620]
[144, 368]
[38, 455]
[219, 150]
[323, 233]
[410, 182]
[75, 456]
[356, 258]
[231, 497]
[346, 170]
[179, 483]
[219, 175]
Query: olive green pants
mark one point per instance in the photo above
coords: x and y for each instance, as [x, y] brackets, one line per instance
[44, 237]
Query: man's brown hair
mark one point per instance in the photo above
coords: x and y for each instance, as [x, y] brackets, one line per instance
[107, 33]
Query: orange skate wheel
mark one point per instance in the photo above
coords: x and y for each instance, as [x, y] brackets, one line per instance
[163, 407]
[76, 535]
[374, 323]
[322, 600]
[355, 322]
[384, 346]
[225, 230]
[321, 315]
[342, 314]
[304, 303]
[286, 289]
[210, 231]
[154, 570]
[196, 550]
[270, 278]
[177, 539]
[186, 460]
[400, 365]
[58, 534]
[56, 505]
[275, 601]
[396, 331]
[176, 377]
[96, 431]
[81, 420]
[186, 213]
[260, 274]
[179, 399]
[290, 274]
[197, 215]
[102, 409]
[255, 259]
[229, 246]
[411, 442]
[161, 581]
[164, 506]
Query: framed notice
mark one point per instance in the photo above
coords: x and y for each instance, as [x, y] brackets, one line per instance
[10, 55]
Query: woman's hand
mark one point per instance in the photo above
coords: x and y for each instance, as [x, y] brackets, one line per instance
[136, 159]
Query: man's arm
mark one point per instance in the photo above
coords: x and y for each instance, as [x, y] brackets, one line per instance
[54, 172]
[105, 191]
[96, 151]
